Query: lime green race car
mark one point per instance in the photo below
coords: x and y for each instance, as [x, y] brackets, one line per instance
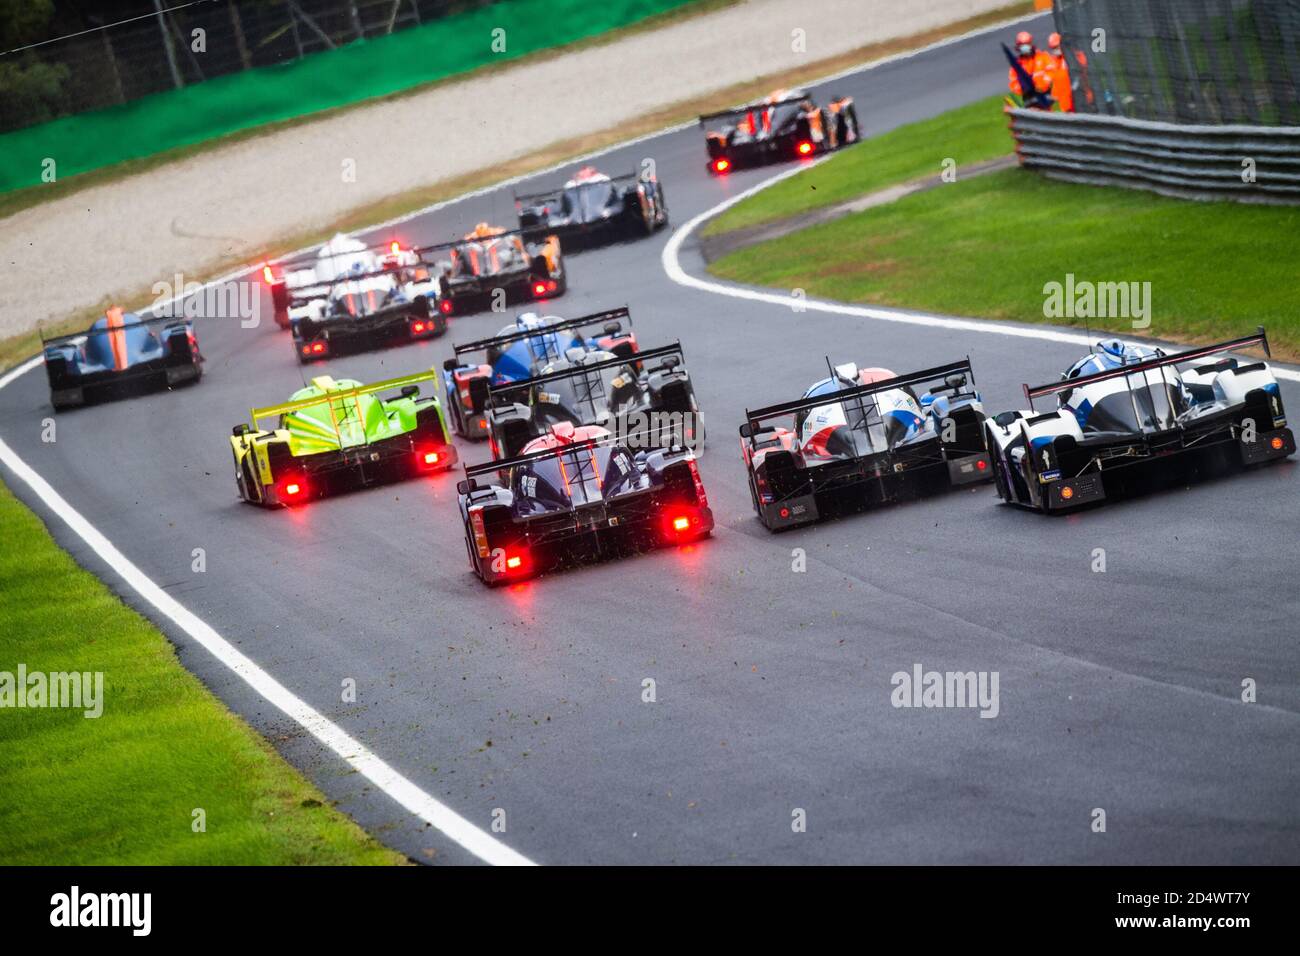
[336, 435]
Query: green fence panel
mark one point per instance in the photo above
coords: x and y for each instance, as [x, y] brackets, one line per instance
[359, 71]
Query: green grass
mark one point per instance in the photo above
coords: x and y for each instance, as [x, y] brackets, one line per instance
[987, 246]
[969, 135]
[121, 788]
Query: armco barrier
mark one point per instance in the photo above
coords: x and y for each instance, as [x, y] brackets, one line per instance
[1245, 163]
[359, 71]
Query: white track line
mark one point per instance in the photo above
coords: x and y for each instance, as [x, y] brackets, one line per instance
[360, 758]
[673, 267]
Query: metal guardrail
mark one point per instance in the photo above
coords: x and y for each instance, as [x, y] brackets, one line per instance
[1245, 163]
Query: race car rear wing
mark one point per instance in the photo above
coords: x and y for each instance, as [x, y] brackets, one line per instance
[754, 418]
[609, 317]
[320, 288]
[642, 357]
[533, 198]
[472, 472]
[1259, 339]
[749, 108]
[452, 243]
[72, 337]
[392, 384]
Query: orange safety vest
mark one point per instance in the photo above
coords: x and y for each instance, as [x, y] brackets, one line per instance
[1037, 66]
[1061, 90]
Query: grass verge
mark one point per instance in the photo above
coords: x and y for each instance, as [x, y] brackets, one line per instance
[968, 135]
[987, 247]
[14, 349]
[121, 788]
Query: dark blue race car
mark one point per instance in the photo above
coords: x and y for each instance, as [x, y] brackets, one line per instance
[519, 352]
[121, 354]
[576, 495]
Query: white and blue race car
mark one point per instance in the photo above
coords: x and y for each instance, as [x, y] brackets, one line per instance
[862, 438]
[1128, 415]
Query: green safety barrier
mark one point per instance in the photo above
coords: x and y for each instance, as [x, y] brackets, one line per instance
[320, 81]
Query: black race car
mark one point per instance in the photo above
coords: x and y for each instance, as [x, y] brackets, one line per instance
[592, 208]
[861, 438]
[491, 266]
[350, 296]
[787, 125]
[576, 495]
[648, 403]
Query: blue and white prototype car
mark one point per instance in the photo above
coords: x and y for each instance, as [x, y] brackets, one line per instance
[1129, 414]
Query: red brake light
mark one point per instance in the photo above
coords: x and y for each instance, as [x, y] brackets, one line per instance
[681, 523]
[395, 248]
[268, 275]
[1276, 443]
[539, 288]
[445, 306]
[293, 489]
[1067, 492]
[316, 348]
[805, 148]
[431, 458]
[514, 561]
[721, 165]
[981, 465]
[417, 327]
[551, 285]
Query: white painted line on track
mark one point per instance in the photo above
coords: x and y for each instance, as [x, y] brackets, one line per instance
[383, 777]
[673, 267]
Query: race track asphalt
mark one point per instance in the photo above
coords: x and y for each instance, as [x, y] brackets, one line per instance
[1118, 690]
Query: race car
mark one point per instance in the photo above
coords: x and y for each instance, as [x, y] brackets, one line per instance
[861, 438]
[592, 208]
[332, 436]
[491, 265]
[787, 125]
[647, 403]
[1132, 415]
[356, 297]
[120, 354]
[293, 282]
[519, 351]
[574, 495]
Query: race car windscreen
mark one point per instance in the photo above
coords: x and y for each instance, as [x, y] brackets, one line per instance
[586, 202]
[583, 475]
[1143, 408]
[584, 398]
[861, 426]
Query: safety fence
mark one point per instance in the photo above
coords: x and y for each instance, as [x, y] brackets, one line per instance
[359, 54]
[1245, 163]
[1185, 61]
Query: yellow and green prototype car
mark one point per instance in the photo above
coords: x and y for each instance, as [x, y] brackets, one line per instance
[334, 436]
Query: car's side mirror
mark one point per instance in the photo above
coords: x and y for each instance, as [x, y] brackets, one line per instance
[955, 381]
[747, 430]
[410, 391]
[240, 430]
[1005, 419]
[450, 365]
[670, 362]
[466, 485]
[613, 328]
